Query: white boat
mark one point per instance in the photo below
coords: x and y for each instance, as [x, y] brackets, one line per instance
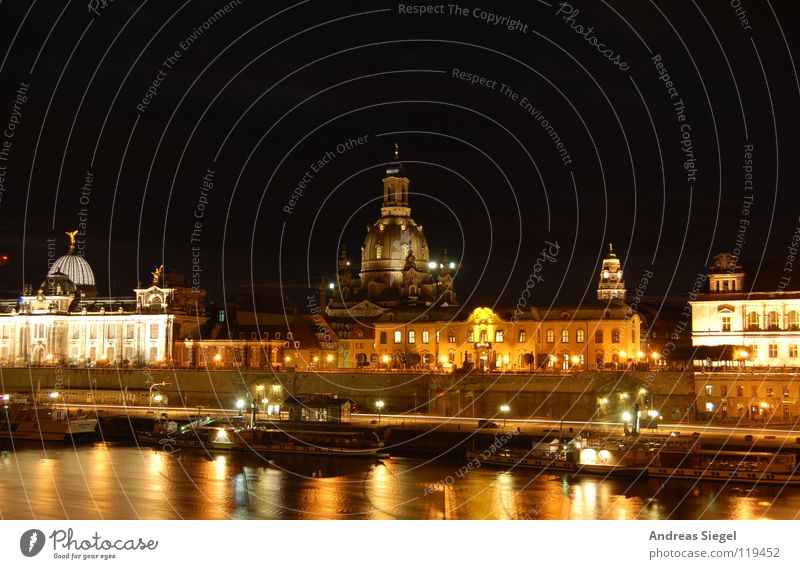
[726, 466]
[612, 456]
[28, 422]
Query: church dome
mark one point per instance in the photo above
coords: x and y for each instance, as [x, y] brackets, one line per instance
[75, 268]
[389, 242]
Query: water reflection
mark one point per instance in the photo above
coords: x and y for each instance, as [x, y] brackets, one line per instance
[107, 481]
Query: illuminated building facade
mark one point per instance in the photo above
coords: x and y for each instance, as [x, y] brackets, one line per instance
[767, 324]
[64, 322]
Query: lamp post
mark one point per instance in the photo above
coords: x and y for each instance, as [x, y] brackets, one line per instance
[504, 409]
[379, 405]
[240, 406]
[150, 399]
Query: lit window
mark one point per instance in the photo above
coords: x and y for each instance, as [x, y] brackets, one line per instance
[580, 335]
[471, 336]
[437, 336]
[412, 337]
[792, 321]
[773, 321]
[726, 323]
[550, 336]
[378, 251]
[451, 336]
[426, 337]
[709, 390]
[222, 316]
[565, 336]
[522, 336]
[499, 336]
[153, 331]
[752, 321]
[484, 337]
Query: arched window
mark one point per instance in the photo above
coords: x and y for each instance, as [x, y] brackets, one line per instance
[580, 335]
[565, 336]
[499, 336]
[379, 251]
[550, 336]
[773, 320]
[522, 336]
[753, 321]
[792, 322]
[615, 336]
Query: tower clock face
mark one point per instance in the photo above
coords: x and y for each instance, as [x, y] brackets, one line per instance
[605, 274]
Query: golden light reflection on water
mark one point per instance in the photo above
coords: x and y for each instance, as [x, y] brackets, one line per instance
[124, 482]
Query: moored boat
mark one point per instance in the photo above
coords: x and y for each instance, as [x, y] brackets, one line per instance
[609, 456]
[695, 463]
[30, 422]
[309, 439]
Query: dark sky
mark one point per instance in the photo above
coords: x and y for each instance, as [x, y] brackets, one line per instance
[271, 87]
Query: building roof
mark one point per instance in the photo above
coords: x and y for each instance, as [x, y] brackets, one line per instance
[754, 296]
[76, 268]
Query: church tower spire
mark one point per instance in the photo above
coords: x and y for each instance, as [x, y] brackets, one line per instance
[395, 188]
[611, 286]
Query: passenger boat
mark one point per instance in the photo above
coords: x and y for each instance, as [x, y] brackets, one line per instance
[544, 455]
[29, 422]
[309, 439]
[694, 463]
[609, 456]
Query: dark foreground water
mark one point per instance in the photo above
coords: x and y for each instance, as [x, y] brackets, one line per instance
[117, 481]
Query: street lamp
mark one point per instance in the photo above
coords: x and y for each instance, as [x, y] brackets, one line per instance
[153, 386]
[385, 360]
[158, 398]
[240, 406]
[329, 359]
[379, 405]
[504, 408]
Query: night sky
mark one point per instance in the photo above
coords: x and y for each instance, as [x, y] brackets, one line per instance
[262, 92]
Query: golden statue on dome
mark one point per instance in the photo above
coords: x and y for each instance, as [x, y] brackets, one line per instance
[71, 235]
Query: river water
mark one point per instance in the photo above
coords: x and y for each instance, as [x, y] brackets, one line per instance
[107, 481]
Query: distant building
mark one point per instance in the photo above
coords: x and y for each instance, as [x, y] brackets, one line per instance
[767, 324]
[566, 338]
[611, 285]
[261, 329]
[64, 322]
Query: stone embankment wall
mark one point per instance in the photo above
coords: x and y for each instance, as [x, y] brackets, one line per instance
[575, 397]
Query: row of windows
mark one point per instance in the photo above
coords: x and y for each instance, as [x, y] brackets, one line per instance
[769, 390]
[772, 321]
[39, 331]
[499, 336]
